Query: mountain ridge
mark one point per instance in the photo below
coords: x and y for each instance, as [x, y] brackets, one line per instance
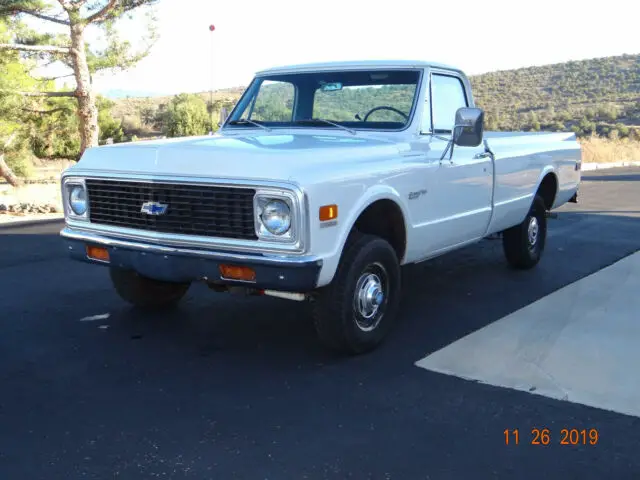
[593, 96]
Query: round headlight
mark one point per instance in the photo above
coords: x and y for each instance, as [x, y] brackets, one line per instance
[276, 217]
[78, 199]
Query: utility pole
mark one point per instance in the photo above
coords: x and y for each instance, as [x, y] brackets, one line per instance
[211, 29]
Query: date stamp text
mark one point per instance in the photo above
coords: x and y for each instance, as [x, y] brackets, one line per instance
[546, 436]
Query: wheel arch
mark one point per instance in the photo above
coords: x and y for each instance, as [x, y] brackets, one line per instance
[380, 213]
[547, 187]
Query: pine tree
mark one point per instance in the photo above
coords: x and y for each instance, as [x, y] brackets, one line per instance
[72, 48]
[13, 76]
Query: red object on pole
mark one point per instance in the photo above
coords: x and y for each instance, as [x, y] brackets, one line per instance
[211, 29]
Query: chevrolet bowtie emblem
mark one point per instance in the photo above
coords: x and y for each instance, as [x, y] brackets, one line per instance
[154, 208]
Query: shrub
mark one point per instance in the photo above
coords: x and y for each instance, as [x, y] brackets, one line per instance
[186, 115]
[19, 159]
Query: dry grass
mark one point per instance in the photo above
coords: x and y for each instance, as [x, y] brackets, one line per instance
[605, 150]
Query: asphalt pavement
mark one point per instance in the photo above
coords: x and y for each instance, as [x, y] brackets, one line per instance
[226, 387]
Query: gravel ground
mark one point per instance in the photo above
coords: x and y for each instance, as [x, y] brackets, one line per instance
[32, 200]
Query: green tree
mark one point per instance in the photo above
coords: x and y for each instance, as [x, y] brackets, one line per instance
[623, 130]
[14, 75]
[608, 112]
[186, 115]
[148, 115]
[110, 128]
[56, 135]
[534, 122]
[73, 50]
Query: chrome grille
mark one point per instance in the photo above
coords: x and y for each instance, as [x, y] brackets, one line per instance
[213, 211]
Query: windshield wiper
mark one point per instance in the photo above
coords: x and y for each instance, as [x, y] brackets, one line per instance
[244, 121]
[322, 120]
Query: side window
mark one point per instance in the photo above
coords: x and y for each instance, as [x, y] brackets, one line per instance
[447, 96]
[274, 102]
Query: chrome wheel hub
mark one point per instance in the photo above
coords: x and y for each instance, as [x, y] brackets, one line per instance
[533, 231]
[368, 298]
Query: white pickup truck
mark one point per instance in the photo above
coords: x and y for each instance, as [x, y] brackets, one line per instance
[323, 181]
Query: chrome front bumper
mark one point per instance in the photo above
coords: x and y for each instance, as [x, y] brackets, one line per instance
[172, 263]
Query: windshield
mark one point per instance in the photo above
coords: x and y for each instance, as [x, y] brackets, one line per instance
[361, 99]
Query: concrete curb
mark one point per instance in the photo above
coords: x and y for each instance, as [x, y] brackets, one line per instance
[586, 167]
[25, 222]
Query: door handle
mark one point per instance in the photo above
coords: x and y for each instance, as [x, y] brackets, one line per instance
[479, 156]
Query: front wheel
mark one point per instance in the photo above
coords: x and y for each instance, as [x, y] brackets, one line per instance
[146, 292]
[356, 311]
[524, 244]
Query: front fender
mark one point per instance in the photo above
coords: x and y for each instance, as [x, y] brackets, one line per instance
[372, 195]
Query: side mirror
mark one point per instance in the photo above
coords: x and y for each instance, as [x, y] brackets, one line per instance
[469, 127]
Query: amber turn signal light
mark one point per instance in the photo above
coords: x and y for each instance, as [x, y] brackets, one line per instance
[97, 253]
[233, 272]
[328, 212]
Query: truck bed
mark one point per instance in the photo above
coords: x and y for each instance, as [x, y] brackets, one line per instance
[522, 159]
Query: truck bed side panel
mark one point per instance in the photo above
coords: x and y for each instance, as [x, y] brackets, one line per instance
[522, 161]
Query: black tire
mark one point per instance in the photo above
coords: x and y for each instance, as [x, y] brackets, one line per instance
[524, 244]
[146, 292]
[337, 309]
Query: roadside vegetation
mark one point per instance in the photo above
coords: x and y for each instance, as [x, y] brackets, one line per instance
[592, 97]
[598, 100]
[604, 150]
[599, 96]
[37, 118]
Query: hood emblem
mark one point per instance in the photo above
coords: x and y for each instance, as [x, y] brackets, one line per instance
[154, 208]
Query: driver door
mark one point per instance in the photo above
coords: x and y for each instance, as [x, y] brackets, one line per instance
[457, 206]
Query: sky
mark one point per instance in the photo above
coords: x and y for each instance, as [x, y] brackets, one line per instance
[477, 36]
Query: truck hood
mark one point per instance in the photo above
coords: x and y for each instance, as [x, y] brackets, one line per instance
[271, 156]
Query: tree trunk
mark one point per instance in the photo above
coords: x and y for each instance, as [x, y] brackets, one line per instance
[7, 174]
[5, 171]
[87, 110]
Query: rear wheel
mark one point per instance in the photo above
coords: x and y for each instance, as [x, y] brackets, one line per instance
[146, 292]
[524, 244]
[356, 311]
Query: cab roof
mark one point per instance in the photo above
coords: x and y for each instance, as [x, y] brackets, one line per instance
[356, 64]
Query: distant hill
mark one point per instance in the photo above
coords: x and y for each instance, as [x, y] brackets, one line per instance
[600, 96]
[142, 116]
[116, 93]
